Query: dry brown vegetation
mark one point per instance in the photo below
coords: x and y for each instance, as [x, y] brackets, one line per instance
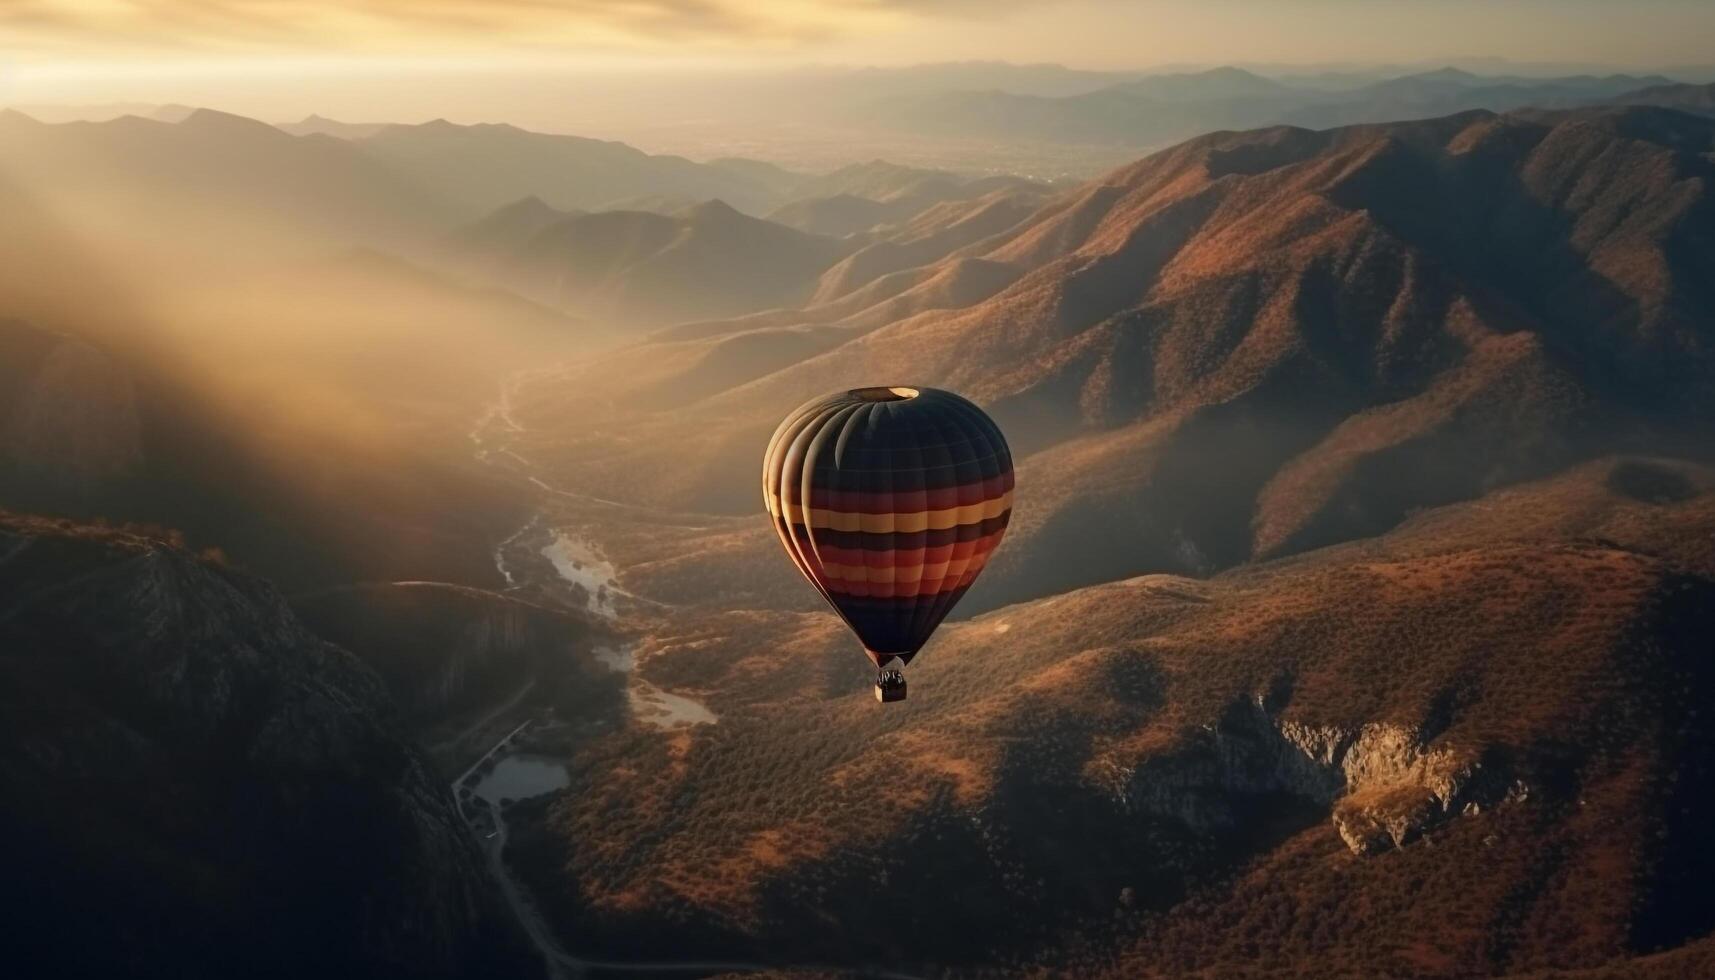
[1401, 422]
[1126, 736]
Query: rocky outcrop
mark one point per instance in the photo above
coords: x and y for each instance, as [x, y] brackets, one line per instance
[1385, 784]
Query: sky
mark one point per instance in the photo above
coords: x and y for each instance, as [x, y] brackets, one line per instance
[172, 50]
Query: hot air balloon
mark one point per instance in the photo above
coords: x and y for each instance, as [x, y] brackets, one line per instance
[890, 500]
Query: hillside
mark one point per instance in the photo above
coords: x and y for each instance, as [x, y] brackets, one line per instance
[449, 655]
[1287, 769]
[1247, 346]
[231, 184]
[197, 785]
[882, 197]
[114, 429]
[481, 167]
[216, 179]
[644, 267]
[1687, 98]
[1448, 91]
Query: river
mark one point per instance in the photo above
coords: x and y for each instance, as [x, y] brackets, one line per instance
[585, 577]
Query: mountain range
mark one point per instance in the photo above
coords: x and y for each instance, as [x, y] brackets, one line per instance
[1352, 621]
[1348, 625]
[1243, 347]
[709, 260]
[1160, 109]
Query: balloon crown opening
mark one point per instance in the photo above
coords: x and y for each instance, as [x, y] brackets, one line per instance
[884, 394]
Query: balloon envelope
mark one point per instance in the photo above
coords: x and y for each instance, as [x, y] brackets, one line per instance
[890, 501]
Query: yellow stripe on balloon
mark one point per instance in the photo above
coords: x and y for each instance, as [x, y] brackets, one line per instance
[924, 520]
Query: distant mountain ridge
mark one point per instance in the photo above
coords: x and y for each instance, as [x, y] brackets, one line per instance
[638, 266]
[214, 175]
[1688, 98]
[708, 260]
[1159, 109]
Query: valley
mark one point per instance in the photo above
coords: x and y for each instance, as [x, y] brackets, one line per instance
[1200, 724]
[387, 587]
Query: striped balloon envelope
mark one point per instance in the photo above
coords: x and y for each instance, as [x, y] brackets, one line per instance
[890, 500]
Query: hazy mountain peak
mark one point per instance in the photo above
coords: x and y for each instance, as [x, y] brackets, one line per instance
[1448, 74]
[316, 124]
[1225, 82]
[172, 112]
[1229, 72]
[713, 209]
[529, 204]
[213, 120]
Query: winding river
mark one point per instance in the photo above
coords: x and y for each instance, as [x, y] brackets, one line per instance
[505, 774]
[584, 576]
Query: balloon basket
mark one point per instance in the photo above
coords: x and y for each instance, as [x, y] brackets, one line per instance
[890, 686]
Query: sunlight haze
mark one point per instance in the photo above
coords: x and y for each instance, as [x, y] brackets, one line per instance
[894, 489]
[394, 59]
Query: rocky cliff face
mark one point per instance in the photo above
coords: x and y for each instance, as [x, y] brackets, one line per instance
[195, 784]
[1385, 783]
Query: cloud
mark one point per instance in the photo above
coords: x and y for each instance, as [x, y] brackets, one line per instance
[297, 26]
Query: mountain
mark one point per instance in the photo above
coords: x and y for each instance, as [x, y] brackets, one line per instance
[1143, 113]
[907, 190]
[881, 196]
[838, 215]
[1247, 346]
[171, 112]
[1358, 579]
[508, 226]
[119, 425]
[643, 267]
[1156, 110]
[1350, 622]
[481, 167]
[224, 183]
[449, 655]
[1213, 85]
[234, 187]
[316, 124]
[196, 784]
[933, 234]
[1450, 91]
[1359, 753]
[1687, 98]
[1028, 79]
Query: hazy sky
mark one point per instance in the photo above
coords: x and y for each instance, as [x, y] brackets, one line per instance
[156, 50]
